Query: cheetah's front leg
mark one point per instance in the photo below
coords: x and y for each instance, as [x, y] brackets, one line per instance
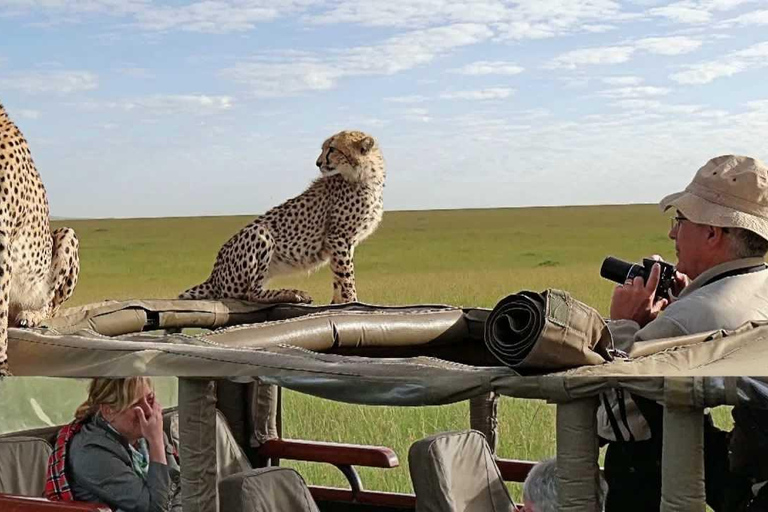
[259, 260]
[343, 268]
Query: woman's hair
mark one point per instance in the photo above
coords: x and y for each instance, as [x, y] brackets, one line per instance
[117, 393]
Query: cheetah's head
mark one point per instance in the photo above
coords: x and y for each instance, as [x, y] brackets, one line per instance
[352, 154]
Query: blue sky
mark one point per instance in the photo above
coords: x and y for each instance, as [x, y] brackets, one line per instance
[137, 108]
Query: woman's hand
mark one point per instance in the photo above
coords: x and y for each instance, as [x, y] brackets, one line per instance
[150, 415]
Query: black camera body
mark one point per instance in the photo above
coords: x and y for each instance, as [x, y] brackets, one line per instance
[619, 271]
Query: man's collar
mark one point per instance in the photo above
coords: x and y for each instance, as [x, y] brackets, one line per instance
[715, 271]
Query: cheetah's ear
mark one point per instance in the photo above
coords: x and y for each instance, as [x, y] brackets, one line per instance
[366, 144]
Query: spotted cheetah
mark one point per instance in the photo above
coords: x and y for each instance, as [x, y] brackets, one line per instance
[38, 269]
[338, 211]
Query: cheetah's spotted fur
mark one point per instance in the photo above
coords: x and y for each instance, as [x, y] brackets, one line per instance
[325, 223]
[38, 269]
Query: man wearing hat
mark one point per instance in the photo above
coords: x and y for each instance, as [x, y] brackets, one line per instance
[720, 232]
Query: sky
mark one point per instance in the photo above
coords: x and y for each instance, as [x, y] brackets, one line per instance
[140, 108]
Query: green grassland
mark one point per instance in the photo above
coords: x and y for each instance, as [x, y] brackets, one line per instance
[459, 257]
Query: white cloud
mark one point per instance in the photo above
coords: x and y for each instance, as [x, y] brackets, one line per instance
[668, 45]
[522, 19]
[284, 75]
[418, 115]
[695, 12]
[414, 98]
[758, 105]
[655, 106]
[623, 53]
[485, 67]
[751, 58]
[682, 12]
[750, 18]
[597, 29]
[622, 80]
[634, 92]
[45, 82]
[212, 16]
[166, 104]
[29, 114]
[591, 56]
[135, 72]
[493, 93]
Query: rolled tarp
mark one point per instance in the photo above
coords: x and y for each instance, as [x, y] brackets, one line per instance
[115, 318]
[546, 331]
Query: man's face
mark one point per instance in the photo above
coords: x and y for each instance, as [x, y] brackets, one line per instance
[690, 245]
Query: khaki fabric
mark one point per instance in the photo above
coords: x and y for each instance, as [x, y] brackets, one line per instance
[577, 454]
[230, 458]
[337, 330]
[197, 428]
[682, 459]
[455, 472]
[266, 490]
[548, 330]
[23, 463]
[264, 409]
[483, 417]
[122, 317]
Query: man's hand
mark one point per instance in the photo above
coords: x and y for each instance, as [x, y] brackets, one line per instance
[635, 300]
[680, 281]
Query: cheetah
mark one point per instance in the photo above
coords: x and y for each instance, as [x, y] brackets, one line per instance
[333, 215]
[38, 269]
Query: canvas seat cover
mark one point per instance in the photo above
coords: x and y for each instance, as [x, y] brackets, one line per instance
[265, 490]
[456, 472]
[23, 462]
[230, 458]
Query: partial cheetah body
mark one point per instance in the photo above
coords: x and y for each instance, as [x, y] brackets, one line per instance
[324, 224]
[38, 269]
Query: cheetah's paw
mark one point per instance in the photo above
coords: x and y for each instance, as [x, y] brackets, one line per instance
[28, 319]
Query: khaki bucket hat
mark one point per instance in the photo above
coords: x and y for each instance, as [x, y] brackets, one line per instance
[730, 191]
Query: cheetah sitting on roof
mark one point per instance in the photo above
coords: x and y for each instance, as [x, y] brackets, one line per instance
[38, 269]
[325, 223]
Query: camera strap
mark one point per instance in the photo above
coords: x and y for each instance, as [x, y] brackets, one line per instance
[736, 272]
[619, 397]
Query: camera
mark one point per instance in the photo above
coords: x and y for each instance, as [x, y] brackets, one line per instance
[619, 271]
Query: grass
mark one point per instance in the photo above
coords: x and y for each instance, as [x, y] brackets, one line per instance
[467, 257]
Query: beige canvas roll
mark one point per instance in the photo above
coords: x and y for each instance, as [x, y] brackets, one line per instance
[546, 331]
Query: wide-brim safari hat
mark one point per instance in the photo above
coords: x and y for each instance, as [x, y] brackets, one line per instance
[730, 191]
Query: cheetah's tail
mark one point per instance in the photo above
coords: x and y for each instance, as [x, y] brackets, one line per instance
[201, 291]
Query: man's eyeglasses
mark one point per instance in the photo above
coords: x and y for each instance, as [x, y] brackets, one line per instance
[675, 221]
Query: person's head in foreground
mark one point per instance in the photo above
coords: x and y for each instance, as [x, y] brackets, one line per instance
[127, 405]
[722, 215]
[540, 489]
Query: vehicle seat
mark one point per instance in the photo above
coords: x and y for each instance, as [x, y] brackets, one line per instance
[23, 462]
[265, 490]
[456, 472]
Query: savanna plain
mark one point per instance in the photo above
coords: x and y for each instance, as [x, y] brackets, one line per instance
[457, 257]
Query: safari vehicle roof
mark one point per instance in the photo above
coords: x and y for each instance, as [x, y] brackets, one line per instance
[411, 355]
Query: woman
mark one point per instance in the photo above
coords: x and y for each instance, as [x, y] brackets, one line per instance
[120, 456]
